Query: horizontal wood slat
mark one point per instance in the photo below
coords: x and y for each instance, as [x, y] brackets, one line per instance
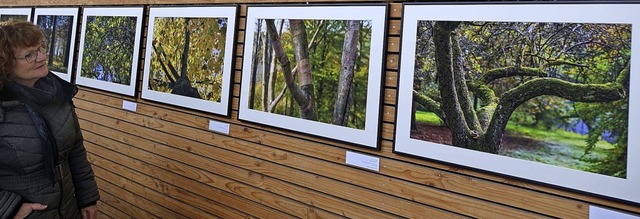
[327, 169]
[266, 168]
[108, 166]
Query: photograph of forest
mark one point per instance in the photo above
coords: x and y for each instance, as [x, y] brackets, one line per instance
[58, 30]
[109, 45]
[542, 93]
[315, 72]
[190, 57]
[331, 65]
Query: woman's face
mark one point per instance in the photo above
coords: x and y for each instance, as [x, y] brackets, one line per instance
[30, 65]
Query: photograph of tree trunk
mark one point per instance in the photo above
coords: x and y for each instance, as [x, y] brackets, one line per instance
[59, 27]
[109, 45]
[313, 69]
[554, 93]
[190, 51]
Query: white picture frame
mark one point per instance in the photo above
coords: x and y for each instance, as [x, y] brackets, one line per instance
[627, 189]
[126, 88]
[376, 14]
[71, 13]
[16, 12]
[224, 14]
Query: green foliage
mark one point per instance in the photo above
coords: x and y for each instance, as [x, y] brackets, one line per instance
[607, 118]
[108, 48]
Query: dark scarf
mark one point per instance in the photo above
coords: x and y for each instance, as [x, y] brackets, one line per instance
[48, 90]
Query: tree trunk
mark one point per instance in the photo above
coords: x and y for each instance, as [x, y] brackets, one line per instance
[446, 81]
[183, 85]
[52, 41]
[254, 68]
[273, 76]
[414, 125]
[300, 95]
[67, 50]
[349, 55]
[461, 86]
[265, 70]
[306, 98]
[185, 49]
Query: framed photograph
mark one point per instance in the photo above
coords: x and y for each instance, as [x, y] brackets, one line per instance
[540, 92]
[59, 27]
[317, 70]
[190, 53]
[109, 44]
[15, 14]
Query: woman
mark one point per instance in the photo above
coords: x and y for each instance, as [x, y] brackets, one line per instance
[44, 171]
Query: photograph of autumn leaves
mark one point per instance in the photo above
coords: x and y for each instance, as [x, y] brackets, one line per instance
[190, 52]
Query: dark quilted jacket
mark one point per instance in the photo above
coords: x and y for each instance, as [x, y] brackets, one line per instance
[24, 175]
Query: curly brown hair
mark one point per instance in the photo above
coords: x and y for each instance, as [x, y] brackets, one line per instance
[15, 35]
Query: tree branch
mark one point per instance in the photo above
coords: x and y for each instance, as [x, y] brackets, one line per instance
[461, 86]
[277, 99]
[305, 76]
[314, 41]
[284, 62]
[164, 66]
[498, 73]
[446, 81]
[587, 93]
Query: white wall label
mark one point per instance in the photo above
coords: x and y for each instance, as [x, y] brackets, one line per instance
[220, 127]
[128, 105]
[364, 161]
[603, 213]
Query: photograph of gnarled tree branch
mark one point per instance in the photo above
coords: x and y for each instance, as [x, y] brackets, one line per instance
[534, 92]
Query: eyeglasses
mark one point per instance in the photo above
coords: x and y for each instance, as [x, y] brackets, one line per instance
[32, 55]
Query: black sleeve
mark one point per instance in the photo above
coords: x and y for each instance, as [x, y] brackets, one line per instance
[82, 174]
[10, 203]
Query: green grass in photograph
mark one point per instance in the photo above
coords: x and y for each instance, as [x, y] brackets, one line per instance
[555, 147]
[428, 118]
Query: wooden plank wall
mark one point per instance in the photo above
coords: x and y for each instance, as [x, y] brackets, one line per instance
[162, 162]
